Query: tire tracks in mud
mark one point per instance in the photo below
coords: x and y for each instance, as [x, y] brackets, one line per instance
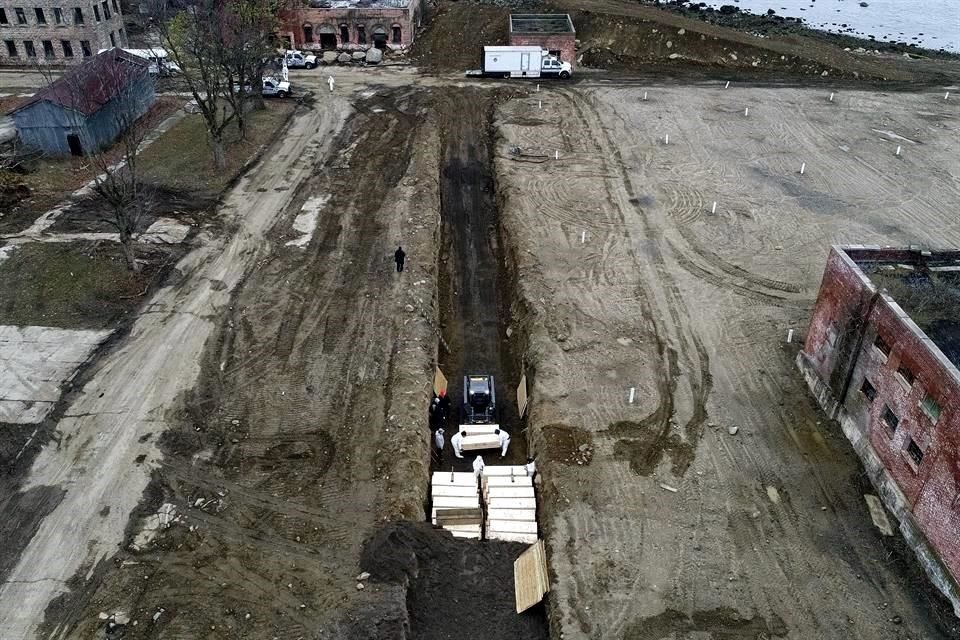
[682, 389]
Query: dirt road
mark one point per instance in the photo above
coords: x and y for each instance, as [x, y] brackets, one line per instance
[629, 281]
[87, 480]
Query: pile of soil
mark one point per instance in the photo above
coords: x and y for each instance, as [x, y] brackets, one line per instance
[457, 32]
[456, 588]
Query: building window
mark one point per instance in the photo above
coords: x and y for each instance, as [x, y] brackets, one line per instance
[48, 49]
[308, 32]
[85, 47]
[11, 48]
[29, 49]
[77, 15]
[361, 34]
[116, 7]
[915, 453]
[67, 48]
[868, 390]
[931, 408]
[396, 34]
[96, 13]
[344, 34]
[58, 15]
[21, 16]
[3, 16]
[113, 41]
[106, 10]
[41, 17]
[122, 37]
[882, 346]
[905, 375]
[555, 53]
[891, 419]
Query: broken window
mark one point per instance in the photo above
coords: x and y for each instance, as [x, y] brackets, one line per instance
[361, 34]
[85, 47]
[891, 419]
[21, 16]
[106, 10]
[308, 33]
[396, 34]
[915, 452]
[58, 15]
[67, 48]
[77, 15]
[3, 16]
[882, 345]
[344, 34]
[96, 13]
[48, 49]
[41, 16]
[904, 372]
[868, 390]
[931, 408]
[11, 48]
[28, 47]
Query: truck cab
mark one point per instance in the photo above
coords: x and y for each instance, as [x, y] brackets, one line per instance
[551, 67]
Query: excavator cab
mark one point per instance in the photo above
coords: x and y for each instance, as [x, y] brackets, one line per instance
[479, 399]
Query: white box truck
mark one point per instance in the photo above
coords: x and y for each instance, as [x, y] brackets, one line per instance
[520, 62]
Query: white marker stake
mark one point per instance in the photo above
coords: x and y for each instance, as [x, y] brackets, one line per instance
[790, 336]
[746, 111]
[898, 150]
[538, 87]
[556, 155]
[645, 96]
[831, 97]
[946, 96]
[633, 391]
[803, 167]
[727, 86]
[714, 208]
[666, 139]
[583, 237]
[539, 104]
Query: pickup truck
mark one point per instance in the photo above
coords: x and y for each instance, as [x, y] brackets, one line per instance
[272, 88]
[299, 60]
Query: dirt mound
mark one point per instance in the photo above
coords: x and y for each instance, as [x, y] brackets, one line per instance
[455, 588]
[456, 33]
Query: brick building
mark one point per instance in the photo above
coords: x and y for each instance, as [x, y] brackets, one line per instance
[882, 356]
[58, 32]
[353, 24]
[553, 32]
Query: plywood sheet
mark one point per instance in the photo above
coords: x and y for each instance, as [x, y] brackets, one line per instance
[439, 381]
[522, 395]
[530, 576]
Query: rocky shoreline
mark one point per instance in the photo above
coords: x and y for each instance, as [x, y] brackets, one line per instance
[772, 24]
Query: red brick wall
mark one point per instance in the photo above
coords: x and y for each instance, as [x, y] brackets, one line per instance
[408, 20]
[930, 488]
[561, 42]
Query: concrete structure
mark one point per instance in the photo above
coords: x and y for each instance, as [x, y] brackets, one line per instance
[353, 24]
[88, 107]
[52, 32]
[882, 355]
[553, 32]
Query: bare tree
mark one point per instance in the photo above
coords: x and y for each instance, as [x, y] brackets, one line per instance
[118, 88]
[194, 36]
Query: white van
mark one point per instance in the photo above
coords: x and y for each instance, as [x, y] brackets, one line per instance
[160, 63]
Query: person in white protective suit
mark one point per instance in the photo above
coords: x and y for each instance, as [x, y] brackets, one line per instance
[504, 441]
[456, 442]
[478, 466]
[438, 440]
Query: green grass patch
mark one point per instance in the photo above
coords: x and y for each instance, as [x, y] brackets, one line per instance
[73, 285]
[181, 159]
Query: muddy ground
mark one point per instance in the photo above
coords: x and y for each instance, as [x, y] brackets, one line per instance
[692, 530]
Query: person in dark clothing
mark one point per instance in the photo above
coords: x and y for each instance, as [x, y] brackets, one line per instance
[399, 256]
[443, 407]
